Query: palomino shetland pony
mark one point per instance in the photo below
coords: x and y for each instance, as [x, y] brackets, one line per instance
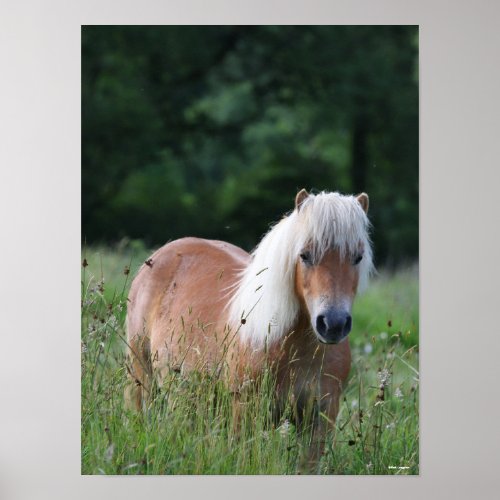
[201, 304]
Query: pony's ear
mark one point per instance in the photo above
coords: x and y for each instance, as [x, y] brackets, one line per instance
[300, 198]
[363, 201]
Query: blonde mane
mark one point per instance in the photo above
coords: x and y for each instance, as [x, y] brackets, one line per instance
[264, 302]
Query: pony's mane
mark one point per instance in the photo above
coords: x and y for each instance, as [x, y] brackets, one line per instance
[265, 294]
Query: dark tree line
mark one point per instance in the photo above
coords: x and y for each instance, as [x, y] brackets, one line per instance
[209, 131]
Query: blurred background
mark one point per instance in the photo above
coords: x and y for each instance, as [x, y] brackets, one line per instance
[210, 131]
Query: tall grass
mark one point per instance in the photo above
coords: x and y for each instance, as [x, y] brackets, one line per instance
[188, 428]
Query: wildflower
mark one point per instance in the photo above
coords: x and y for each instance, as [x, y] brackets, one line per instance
[383, 335]
[113, 322]
[354, 403]
[391, 425]
[108, 454]
[384, 377]
[368, 348]
[284, 428]
[398, 393]
[246, 383]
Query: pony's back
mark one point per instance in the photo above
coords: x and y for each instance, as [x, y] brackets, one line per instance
[176, 307]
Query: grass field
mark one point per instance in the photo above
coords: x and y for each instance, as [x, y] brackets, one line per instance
[186, 429]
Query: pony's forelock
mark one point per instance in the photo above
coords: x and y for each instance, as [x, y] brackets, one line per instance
[265, 296]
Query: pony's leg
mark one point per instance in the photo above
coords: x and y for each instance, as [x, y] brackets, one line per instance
[237, 412]
[323, 423]
[139, 370]
[241, 397]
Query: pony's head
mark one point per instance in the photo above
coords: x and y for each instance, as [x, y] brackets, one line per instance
[333, 255]
[309, 264]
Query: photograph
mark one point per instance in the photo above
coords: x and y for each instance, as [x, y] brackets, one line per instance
[250, 250]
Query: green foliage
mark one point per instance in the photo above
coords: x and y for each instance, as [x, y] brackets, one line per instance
[188, 427]
[210, 131]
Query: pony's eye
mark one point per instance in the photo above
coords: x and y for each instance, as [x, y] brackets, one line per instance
[306, 257]
[357, 259]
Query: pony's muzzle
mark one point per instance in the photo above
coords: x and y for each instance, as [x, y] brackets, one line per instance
[333, 326]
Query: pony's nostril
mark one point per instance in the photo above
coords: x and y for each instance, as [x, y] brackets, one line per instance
[348, 324]
[321, 324]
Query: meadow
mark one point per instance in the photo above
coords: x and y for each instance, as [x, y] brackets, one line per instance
[187, 429]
